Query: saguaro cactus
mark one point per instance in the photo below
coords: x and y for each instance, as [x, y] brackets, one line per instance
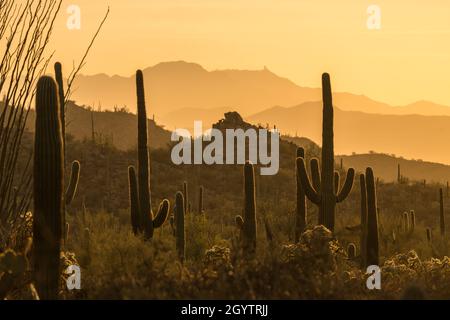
[143, 207]
[73, 182]
[247, 224]
[134, 201]
[326, 198]
[412, 221]
[363, 235]
[441, 213]
[48, 173]
[429, 236]
[399, 174]
[405, 222]
[372, 253]
[200, 200]
[301, 214]
[75, 173]
[180, 233]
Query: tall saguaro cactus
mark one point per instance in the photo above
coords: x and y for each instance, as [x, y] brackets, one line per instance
[48, 175]
[363, 235]
[75, 172]
[372, 250]
[326, 197]
[247, 224]
[140, 203]
[441, 213]
[301, 214]
[180, 232]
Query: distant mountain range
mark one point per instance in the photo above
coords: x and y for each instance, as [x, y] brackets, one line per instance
[188, 87]
[179, 93]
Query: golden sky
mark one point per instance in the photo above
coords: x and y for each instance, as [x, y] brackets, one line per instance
[408, 59]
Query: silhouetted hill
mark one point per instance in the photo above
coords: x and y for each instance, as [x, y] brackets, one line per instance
[119, 128]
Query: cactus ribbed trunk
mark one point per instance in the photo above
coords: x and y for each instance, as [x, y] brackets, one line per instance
[363, 235]
[441, 213]
[62, 103]
[48, 190]
[372, 250]
[179, 226]
[134, 200]
[412, 221]
[327, 175]
[146, 217]
[301, 215]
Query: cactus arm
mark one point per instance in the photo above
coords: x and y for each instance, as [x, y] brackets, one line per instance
[309, 190]
[134, 199]
[337, 178]
[347, 187]
[162, 214]
[315, 174]
[73, 184]
[62, 103]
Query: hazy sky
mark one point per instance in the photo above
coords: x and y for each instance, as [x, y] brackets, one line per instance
[408, 59]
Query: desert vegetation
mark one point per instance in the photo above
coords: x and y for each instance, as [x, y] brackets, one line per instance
[138, 226]
[218, 231]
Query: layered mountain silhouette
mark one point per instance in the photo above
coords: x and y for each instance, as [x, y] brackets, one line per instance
[178, 93]
[185, 87]
[411, 136]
